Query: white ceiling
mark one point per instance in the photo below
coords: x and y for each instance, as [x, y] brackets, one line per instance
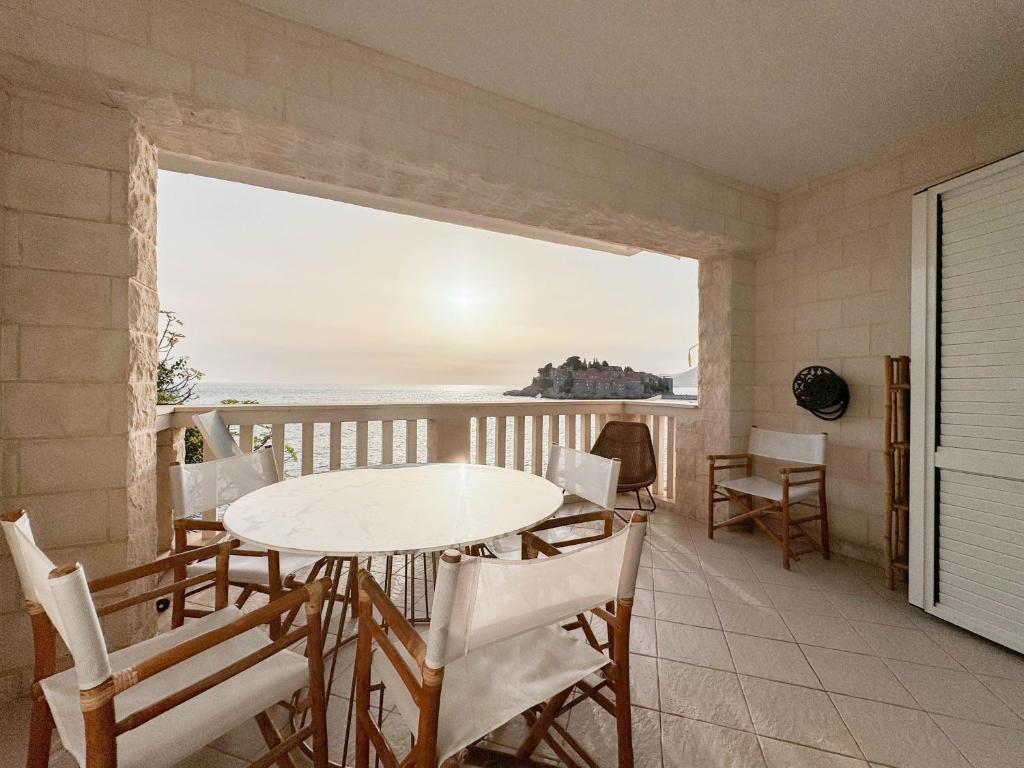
[767, 91]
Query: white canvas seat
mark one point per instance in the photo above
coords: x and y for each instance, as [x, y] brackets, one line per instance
[197, 492]
[157, 702]
[173, 736]
[763, 488]
[800, 481]
[217, 437]
[495, 648]
[488, 687]
[584, 477]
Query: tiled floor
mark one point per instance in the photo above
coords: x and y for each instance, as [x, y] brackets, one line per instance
[738, 663]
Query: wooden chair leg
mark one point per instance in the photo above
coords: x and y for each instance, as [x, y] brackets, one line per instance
[826, 548]
[274, 588]
[711, 506]
[624, 715]
[40, 732]
[272, 737]
[247, 591]
[542, 724]
[785, 532]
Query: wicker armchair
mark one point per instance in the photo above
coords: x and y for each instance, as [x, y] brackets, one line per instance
[630, 442]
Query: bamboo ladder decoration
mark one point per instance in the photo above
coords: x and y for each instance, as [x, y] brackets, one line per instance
[897, 466]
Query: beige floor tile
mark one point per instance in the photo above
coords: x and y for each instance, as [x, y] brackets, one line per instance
[643, 603]
[689, 743]
[903, 644]
[738, 591]
[793, 713]
[857, 675]
[704, 694]
[752, 620]
[773, 659]
[594, 728]
[722, 546]
[955, 693]
[210, 758]
[729, 568]
[644, 578]
[686, 609]
[813, 601]
[986, 746]
[861, 608]
[680, 583]
[904, 738]
[642, 637]
[826, 631]
[1010, 692]
[643, 681]
[769, 570]
[782, 754]
[670, 538]
[978, 655]
[693, 645]
[676, 561]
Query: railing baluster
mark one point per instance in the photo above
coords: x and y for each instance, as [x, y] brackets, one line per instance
[335, 458]
[245, 437]
[658, 460]
[500, 422]
[519, 442]
[570, 430]
[538, 444]
[387, 442]
[307, 448]
[277, 439]
[588, 437]
[481, 439]
[670, 469]
[362, 444]
[411, 441]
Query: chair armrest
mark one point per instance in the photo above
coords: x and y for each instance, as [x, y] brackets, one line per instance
[727, 456]
[310, 594]
[532, 544]
[158, 566]
[603, 515]
[399, 624]
[786, 471]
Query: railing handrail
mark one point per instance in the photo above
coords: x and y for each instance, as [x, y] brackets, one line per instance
[253, 414]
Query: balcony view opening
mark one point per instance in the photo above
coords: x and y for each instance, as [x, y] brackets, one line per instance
[288, 299]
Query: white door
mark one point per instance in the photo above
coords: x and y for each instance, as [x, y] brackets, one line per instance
[967, 404]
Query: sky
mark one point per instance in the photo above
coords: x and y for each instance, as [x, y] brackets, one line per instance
[275, 287]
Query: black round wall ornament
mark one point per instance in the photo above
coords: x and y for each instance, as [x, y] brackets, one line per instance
[821, 391]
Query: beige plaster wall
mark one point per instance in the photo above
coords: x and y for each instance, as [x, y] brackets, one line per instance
[836, 291]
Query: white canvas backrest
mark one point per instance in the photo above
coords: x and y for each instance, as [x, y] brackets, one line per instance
[65, 598]
[478, 600]
[592, 478]
[216, 435]
[197, 488]
[787, 446]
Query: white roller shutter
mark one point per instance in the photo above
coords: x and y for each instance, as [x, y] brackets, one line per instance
[968, 513]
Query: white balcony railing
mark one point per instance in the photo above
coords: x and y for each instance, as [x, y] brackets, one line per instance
[318, 438]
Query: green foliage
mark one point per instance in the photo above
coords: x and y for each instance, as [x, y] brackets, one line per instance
[574, 363]
[176, 380]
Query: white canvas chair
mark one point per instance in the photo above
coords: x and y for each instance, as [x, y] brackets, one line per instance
[585, 480]
[154, 703]
[495, 651]
[216, 436]
[801, 481]
[200, 489]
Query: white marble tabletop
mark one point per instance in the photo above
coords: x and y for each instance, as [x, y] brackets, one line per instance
[392, 510]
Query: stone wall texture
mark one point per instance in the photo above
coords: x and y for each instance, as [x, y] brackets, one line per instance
[836, 291]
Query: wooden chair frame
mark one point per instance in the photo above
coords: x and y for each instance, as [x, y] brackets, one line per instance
[276, 587]
[101, 725]
[542, 719]
[783, 539]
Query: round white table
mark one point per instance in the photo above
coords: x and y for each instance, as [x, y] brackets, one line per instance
[392, 510]
[402, 509]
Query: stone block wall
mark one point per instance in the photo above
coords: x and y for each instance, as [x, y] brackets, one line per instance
[836, 291]
[77, 334]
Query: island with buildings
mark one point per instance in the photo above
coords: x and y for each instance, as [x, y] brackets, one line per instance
[578, 379]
